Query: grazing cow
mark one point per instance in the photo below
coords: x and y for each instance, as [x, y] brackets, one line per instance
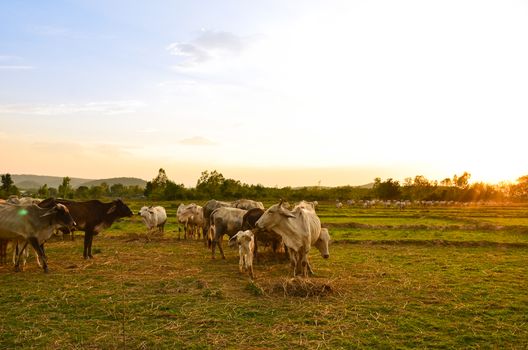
[246, 245]
[34, 225]
[299, 229]
[248, 223]
[154, 218]
[224, 221]
[92, 217]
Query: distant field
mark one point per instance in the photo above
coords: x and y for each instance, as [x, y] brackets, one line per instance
[418, 278]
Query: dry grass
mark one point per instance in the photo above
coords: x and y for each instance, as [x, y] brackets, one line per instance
[168, 293]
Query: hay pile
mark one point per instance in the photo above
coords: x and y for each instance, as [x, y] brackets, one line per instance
[302, 287]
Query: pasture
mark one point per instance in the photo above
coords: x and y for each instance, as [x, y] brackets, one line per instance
[438, 277]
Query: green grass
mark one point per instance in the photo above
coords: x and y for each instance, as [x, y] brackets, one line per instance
[168, 293]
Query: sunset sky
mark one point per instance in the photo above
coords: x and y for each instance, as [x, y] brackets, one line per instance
[277, 92]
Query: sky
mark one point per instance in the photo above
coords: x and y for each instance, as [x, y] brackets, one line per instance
[276, 92]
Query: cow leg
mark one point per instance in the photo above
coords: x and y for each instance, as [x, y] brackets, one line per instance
[213, 248]
[220, 247]
[88, 239]
[18, 255]
[86, 243]
[305, 266]
[39, 248]
[293, 261]
[90, 246]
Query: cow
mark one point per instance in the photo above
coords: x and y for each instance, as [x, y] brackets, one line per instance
[246, 245]
[93, 217]
[34, 225]
[192, 218]
[306, 205]
[300, 229]
[23, 200]
[224, 221]
[248, 223]
[208, 209]
[247, 204]
[154, 218]
[196, 221]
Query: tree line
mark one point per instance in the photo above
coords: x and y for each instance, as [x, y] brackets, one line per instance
[212, 184]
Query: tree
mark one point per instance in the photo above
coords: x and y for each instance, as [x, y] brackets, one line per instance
[209, 184]
[462, 181]
[65, 189]
[161, 179]
[43, 191]
[7, 182]
[8, 188]
[520, 189]
[157, 186]
[446, 182]
[117, 190]
[82, 192]
[388, 189]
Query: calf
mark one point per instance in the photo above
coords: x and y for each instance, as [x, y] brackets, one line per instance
[246, 245]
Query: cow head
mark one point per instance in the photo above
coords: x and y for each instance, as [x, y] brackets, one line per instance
[119, 209]
[275, 214]
[60, 215]
[322, 243]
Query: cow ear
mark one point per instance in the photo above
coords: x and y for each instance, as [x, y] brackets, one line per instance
[286, 212]
[112, 209]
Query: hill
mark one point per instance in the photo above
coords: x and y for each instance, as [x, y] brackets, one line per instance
[26, 182]
[125, 181]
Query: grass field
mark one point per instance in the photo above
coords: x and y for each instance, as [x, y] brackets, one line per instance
[419, 278]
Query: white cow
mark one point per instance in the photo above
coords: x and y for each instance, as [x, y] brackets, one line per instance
[246, 249]
[300, 229]
[306, 205]
[34, 225]
[154, 218]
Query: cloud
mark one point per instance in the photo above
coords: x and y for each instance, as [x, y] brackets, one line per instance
[209, 45]
[197, 141]
[16, 67]
[104, 108]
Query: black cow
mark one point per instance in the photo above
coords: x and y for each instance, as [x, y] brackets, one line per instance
[93, 217]
[248, 223]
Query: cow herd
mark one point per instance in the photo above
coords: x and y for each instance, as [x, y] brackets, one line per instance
[246, 222]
